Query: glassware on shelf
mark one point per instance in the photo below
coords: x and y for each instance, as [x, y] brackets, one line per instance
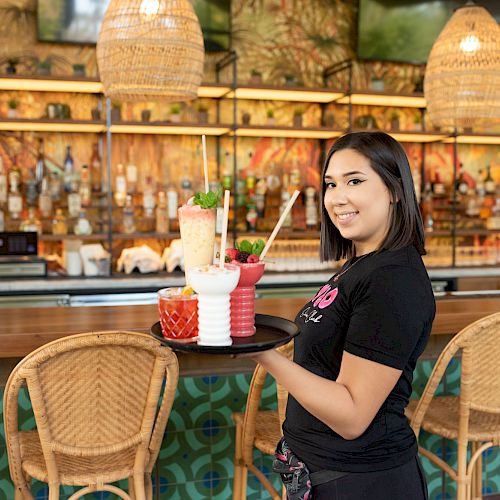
[59, 224]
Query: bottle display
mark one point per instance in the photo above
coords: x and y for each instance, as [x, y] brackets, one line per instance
[95, 169]
[59, 224]
[162, 219]
[4, 188]
[128, 217]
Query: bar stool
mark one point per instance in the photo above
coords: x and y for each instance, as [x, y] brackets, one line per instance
[258, 429]
[474, 416]
[95, 400]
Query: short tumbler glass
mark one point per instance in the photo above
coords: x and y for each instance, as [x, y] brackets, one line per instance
[178, 314]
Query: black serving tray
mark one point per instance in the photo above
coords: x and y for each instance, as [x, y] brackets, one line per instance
[271, 332]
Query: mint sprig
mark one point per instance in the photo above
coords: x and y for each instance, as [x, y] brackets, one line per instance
[247, 246]
[207, 200]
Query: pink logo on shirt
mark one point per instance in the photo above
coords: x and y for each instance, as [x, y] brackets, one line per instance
[325, 297]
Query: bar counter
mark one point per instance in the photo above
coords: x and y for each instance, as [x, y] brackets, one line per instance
[24, 329]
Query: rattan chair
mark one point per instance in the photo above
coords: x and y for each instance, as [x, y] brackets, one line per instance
[95, 400]
[474, 416]
[258, 429]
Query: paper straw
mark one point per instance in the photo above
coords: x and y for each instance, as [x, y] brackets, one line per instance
[205, 162]
[279, 224]
[225, 218]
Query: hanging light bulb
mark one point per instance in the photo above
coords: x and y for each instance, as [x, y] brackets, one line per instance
[462, 78]
[150, 50]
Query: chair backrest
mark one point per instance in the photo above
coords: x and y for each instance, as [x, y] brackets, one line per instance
[96, 393]
[480, 371]
[254, 398]
[480, 378]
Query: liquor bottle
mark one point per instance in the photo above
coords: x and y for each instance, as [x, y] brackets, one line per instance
[55, 186]
[45, 200]
[489, 183]
[260, 196]
[82, 226]
[285, 198]
[472, 207]
[427, 208]
[31, 224]
[3, 183]
[128, 219]
[59, 225]
[131, 174]
[438, 187]
[187, 191]
[162, 225]
[95, 169]
[40, 168]
[148, 197]
[172, 205]
[15, 201]
[120, 186]
[480, 187]
[74, 200]
[461, 186]
[2, 221]
[311, 208]
[15, 177]
[85, 187]
[31, 189]
[69, 170]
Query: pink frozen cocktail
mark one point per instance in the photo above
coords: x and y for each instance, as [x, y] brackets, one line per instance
[243, 299]
[243, 296]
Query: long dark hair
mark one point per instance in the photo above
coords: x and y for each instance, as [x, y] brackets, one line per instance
[388, 158]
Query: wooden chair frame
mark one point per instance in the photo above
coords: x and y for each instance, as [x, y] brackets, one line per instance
[144, 421]
[479, 343]
[250, 435]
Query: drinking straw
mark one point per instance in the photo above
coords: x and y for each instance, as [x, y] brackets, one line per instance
[225, 218]
[279, 224]
[205, 163]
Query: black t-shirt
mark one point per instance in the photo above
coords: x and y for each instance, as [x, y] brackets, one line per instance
[381, 309]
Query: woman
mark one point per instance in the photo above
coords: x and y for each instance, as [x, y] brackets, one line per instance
[362, 333]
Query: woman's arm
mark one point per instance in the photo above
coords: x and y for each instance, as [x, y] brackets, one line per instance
[347, 405]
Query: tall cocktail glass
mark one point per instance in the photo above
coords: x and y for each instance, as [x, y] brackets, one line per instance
[197, 226]
[243, 299]
[178, 314]
[213, 286]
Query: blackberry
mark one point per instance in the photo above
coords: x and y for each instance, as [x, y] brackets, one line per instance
[242, 257]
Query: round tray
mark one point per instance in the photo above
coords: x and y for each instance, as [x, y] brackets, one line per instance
[271, 332]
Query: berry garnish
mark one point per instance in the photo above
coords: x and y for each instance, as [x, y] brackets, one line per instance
[232, 253]
[242, 257]
[252, 259]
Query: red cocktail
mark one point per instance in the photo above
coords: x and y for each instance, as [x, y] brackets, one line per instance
[178, 314]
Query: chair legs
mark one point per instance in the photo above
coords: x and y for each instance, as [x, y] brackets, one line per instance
[476, 475]
[240, 470]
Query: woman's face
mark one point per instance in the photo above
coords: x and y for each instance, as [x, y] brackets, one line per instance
[357, 200]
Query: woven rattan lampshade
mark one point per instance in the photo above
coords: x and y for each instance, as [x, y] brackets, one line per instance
[462, 78]
[150, 50]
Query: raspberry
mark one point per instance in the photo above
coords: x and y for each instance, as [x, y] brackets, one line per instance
[252, 258]
[242, 257]
[232, 253]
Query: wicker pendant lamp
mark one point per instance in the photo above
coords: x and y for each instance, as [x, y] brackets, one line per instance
[150, 50]
[462, 78]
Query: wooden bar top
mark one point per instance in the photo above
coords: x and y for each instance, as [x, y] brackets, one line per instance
[24, 329]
